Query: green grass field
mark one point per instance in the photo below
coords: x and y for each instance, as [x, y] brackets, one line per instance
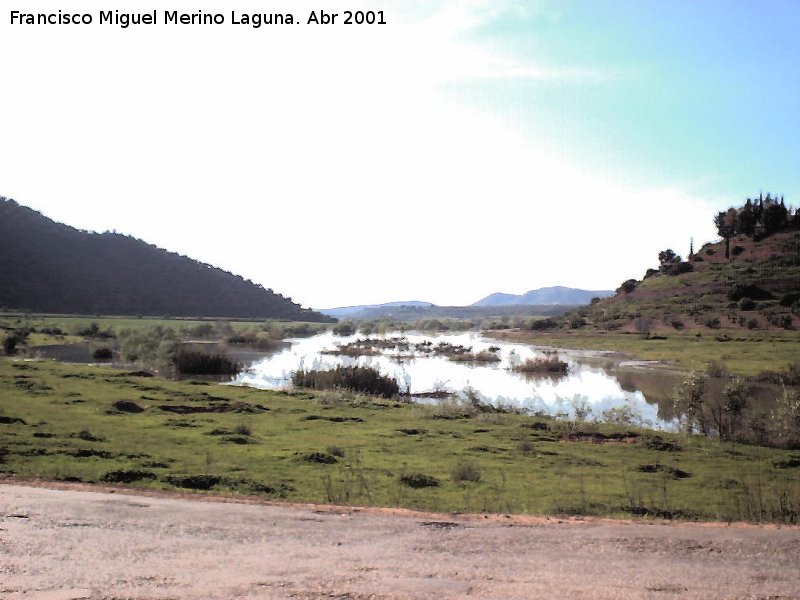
[45, 326]
[742, 353]
[59, 422]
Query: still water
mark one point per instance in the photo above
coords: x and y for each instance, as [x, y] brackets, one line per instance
[586, 386]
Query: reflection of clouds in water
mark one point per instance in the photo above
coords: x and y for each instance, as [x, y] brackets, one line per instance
[493, 382]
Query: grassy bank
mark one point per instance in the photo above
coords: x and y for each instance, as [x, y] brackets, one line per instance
[69, 422]
[71, 325]
[742, 353]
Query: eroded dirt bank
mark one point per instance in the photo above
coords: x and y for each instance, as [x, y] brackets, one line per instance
[71, 543]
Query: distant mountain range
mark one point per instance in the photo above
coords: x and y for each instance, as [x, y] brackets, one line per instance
[349, 312]
[409, 313]
[542, 302]
[54, 268]
[556, 295]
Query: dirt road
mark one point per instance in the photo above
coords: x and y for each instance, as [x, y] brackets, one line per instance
[58, 544]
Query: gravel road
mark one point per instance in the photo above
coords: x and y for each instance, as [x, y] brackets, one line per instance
[64, 543]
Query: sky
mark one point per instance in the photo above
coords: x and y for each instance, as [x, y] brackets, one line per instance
[463, 148]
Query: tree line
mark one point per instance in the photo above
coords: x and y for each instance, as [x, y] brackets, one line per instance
[757, 218]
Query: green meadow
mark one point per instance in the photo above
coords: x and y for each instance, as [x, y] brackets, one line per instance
[741, 353]
[99, 424]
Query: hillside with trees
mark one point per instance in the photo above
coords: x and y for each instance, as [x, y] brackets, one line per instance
[54, 268]
[748, 281]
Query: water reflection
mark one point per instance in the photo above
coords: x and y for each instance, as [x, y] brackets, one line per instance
[587, 387]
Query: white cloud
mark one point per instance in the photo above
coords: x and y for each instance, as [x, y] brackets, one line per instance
[328, 164]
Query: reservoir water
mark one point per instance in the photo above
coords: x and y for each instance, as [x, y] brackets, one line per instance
[588, 389]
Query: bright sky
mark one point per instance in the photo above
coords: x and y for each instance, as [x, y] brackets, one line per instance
[464, 148]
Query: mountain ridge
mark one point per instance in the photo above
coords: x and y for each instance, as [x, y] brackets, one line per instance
[345, 312]
[46, 266]
[553, 295]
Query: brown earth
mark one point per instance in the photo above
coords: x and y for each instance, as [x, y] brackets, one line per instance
[70, 543]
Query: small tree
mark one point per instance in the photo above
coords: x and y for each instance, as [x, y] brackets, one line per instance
[643, 326]
[786, 417]
[747, 219]
[726, 411]
[668, 257]
[628, 286]
[10, 345]
[736, 394]
[775, 217]
[688, 403]
[726, 227]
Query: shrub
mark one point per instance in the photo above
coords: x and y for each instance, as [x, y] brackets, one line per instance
[194, 482]
[192, 362]
[786, 418]
[784, 321]
[712, 322]
[335, 451]
[320, 458]
[577, 322]
[643, 326]
[789, 299]
[542, 324]
[678, 268]
[419, 480]
[344, 328]
[526, 447]
[126, 476]
[366, 380]
[103, 354]
[748, 290]
[717, 369]
[628, 286]
[88, 436]
[243, 429]
[668, 256]
[466, 471]
[711, 252]
[747, 304]
[93, 331]
[484, 356]
[753, 324]
[10, 345]
[550, 364]
[688, 401]
[737, 250]
[127, 406]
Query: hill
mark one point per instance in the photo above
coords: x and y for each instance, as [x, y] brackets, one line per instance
[349, 312]
[543, 296]
[409, 313]
[51, 267]
[749, 280]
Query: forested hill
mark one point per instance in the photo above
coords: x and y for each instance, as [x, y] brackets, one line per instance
[50, 267]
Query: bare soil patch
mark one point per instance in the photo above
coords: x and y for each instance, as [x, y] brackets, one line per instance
[104, 542]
